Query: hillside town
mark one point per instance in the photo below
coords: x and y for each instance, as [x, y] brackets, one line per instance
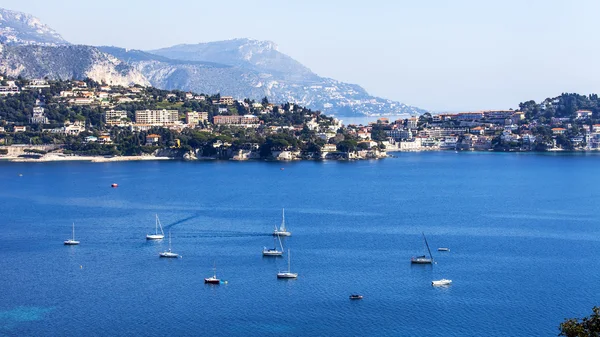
[75, 118]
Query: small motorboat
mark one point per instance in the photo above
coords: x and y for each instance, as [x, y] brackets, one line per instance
[443, 249]
[442, 282]
[356, 297]
[114, 185]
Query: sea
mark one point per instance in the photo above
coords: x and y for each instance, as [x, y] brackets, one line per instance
[523, 231]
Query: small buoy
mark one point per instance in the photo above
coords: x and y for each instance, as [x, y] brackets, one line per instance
[80, 267]
[20, 174]
[114, 185]
[282, 169]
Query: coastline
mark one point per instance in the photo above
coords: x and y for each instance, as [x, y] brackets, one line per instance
[53, 157]
[93, 159]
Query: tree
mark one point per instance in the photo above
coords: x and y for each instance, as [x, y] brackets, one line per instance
[587, 327]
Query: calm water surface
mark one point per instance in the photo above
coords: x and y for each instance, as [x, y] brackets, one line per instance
[523, 230]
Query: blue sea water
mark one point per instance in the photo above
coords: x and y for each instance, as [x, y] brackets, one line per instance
[523, 232]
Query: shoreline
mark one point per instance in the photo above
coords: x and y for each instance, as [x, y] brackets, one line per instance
[93, 159]
[102, 159]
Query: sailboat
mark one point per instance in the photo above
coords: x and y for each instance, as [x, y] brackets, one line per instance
[72, 241]
[423, 259]
[156, 235]
[168, 253]
[281, 231]
[213, 279]
[274, 251]
[288, 273]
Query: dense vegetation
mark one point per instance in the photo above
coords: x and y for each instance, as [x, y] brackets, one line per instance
[206, 140]
[586, 327]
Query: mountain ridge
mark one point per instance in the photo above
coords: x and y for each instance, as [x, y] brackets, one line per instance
[25, 29]
[242, 68]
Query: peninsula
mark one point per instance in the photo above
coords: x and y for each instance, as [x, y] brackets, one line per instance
[47, 120]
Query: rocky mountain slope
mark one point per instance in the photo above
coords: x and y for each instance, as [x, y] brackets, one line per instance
[264, 71]
[24, 29]
[66, 62]
[240, 68]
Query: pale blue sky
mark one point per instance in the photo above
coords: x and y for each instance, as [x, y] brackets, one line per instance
[438, 55]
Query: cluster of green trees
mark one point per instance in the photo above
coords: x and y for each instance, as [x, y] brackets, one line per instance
[586, 327]
[563, 106]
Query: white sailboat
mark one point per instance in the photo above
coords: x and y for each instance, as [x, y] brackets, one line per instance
[274, 251]
[72, 241]
[288, 273]
[156, 235]
[168, 253]
[281, 231]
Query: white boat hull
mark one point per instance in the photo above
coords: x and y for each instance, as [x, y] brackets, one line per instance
[442, 282]
[287, 275]
[279, 233]
[155, 237]
[168, 254]
[71, 243]
[272, 253]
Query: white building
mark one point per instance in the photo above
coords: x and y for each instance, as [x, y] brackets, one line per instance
[38, 116]
[194, 118]
[156, 117]
[115, 117]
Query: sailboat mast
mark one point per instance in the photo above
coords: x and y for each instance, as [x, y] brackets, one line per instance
[283, 219]
[427, 244]
[289, 261]
[156, 225]
[73, 231]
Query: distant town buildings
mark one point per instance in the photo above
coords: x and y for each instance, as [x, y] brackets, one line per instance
[194, 118]
[246, 120]
[156, 117]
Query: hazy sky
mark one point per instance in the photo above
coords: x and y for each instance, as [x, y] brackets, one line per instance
[435, 54]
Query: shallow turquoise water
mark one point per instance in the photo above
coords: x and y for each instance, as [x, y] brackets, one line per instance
[522, 229]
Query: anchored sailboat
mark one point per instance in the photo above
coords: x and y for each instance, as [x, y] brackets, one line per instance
[281, 231]
[274, 251]
[288, 273]
[156, 235]
[72, 241]
[168, 253]
[213, 279]
[423, 259]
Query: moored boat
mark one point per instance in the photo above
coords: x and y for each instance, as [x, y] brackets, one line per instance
[273, 251]
[156, 235]
[442, 282]
[72, 241]
[168, 253]
[213, 279]
[423, 259]
[443, 249]
[356, 297]
[288, 273]
[282, 231]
